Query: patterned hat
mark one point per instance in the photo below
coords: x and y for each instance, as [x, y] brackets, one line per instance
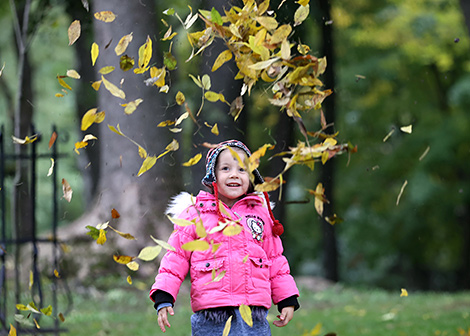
[211, 160]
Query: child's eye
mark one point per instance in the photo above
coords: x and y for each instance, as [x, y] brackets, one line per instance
[224, 168]
[241, 170]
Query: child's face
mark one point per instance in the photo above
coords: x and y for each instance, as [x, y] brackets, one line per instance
[232, 180]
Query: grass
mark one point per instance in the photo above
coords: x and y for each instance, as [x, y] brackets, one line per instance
[338, 310]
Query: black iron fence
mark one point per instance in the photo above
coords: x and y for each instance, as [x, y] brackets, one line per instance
[13, 244]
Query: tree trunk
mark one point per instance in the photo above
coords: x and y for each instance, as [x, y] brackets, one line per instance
[141, 201]
[327, 171]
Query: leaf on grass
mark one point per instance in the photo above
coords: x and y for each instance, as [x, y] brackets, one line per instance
[113, 89]
[74, 31]
[149, 253]
[95, 51]
[245, 312]
[192, 161]
[123, 44]
[105, 16]
[148, 163]
[67, 190]
[196, 245]
[122, 259]
[227, 326]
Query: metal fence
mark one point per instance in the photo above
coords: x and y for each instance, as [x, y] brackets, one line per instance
[13, 245]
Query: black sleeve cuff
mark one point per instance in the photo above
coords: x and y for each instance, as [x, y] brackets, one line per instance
[290, 301]
[162, 297]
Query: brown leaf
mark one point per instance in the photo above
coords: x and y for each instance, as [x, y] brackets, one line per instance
[115, 214]
[67, 190]
[52, 139]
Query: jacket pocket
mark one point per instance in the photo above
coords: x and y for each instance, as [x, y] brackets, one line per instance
[206, 274]
[260, 271]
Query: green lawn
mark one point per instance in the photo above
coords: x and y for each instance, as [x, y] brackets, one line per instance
[338, 310]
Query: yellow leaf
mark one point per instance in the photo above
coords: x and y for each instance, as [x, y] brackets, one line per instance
[211, 96]
[31, 279]
[191, 162]
[232, 230]
[180, 222]
[123, 44]
[148, 163]
[116, 129]
[166, 123]
[26, 140]
[245, 258]
[12, 331]
[281, 34]
[59, 95]
[88, 119]
[182, 117]
[142, 152]
[163, 244]
[173, 146]
[245, 312]
[149, 253]
[223, 57]
[285, 50]
[95, 51]
[56, 273]
[122, 259]
[132, 106]
[267, 22]
[96, 85]
[73, 74]
[303, 2]
[106, 70]
[67, 190]
[129, 280]
[169, 35]
[145, 53]
[264, 64]
[105, 16]
[180, 98]
[196, 245]
[319, 198]
[102, 237]
[63, 83]
[215, 130]
[36, 324]
[404, 292]
[113, 89]
[200, 230]
[227, 326]
[74, 31]
[407, 129]
[301, 14]
[127, 236]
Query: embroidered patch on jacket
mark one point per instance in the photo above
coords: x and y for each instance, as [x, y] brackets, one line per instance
[256, 226]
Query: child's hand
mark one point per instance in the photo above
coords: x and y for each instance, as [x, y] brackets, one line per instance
[287, 314]
[163, 317]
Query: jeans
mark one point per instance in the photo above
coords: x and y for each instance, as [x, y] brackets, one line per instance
[203, 326]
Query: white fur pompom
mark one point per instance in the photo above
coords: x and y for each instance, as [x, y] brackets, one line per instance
[179, 203]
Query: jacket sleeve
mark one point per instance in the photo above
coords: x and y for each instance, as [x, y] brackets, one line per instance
[175, 264]
[282, 283]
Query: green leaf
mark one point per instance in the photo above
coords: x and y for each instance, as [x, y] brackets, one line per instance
[169, 60]
[93, 233]
[169, 11]
[215, 17]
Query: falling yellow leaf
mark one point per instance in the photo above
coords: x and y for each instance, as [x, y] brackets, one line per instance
[223, 57]
[105, 16]
[12, 331]
[74, 31]
[129, 280]
[148, 163]
[180, 98]
[96, 85]
[407, 129]
[196, 245]
[191, 162]
[133, 266]
[122, 259]
[27, 140]
[200, 230]
[401, 191]
[180, 222]
[145, 54]
[31, 279]
[227, 326]
[149, 253]
[123, 44]
[51, 169]
[267, 22]
[67, 190]
[102, 237]
[301, 14]
[56, 273]
[36, 324]
[215, 130]
[73, 74]
[132, 106]
[113, 89]
[127, 236]
[232, 230]
[91, 117]
[404, 292]
[245, 312]
[95, 51]
[63, 83]
[281, 34]
[211, 96]
[106, 70]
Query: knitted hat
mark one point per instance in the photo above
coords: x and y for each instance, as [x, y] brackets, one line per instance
[211, 160]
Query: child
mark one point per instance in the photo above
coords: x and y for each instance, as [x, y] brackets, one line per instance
[256, 272]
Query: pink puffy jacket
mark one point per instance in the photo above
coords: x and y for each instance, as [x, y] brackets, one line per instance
[256, 270]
